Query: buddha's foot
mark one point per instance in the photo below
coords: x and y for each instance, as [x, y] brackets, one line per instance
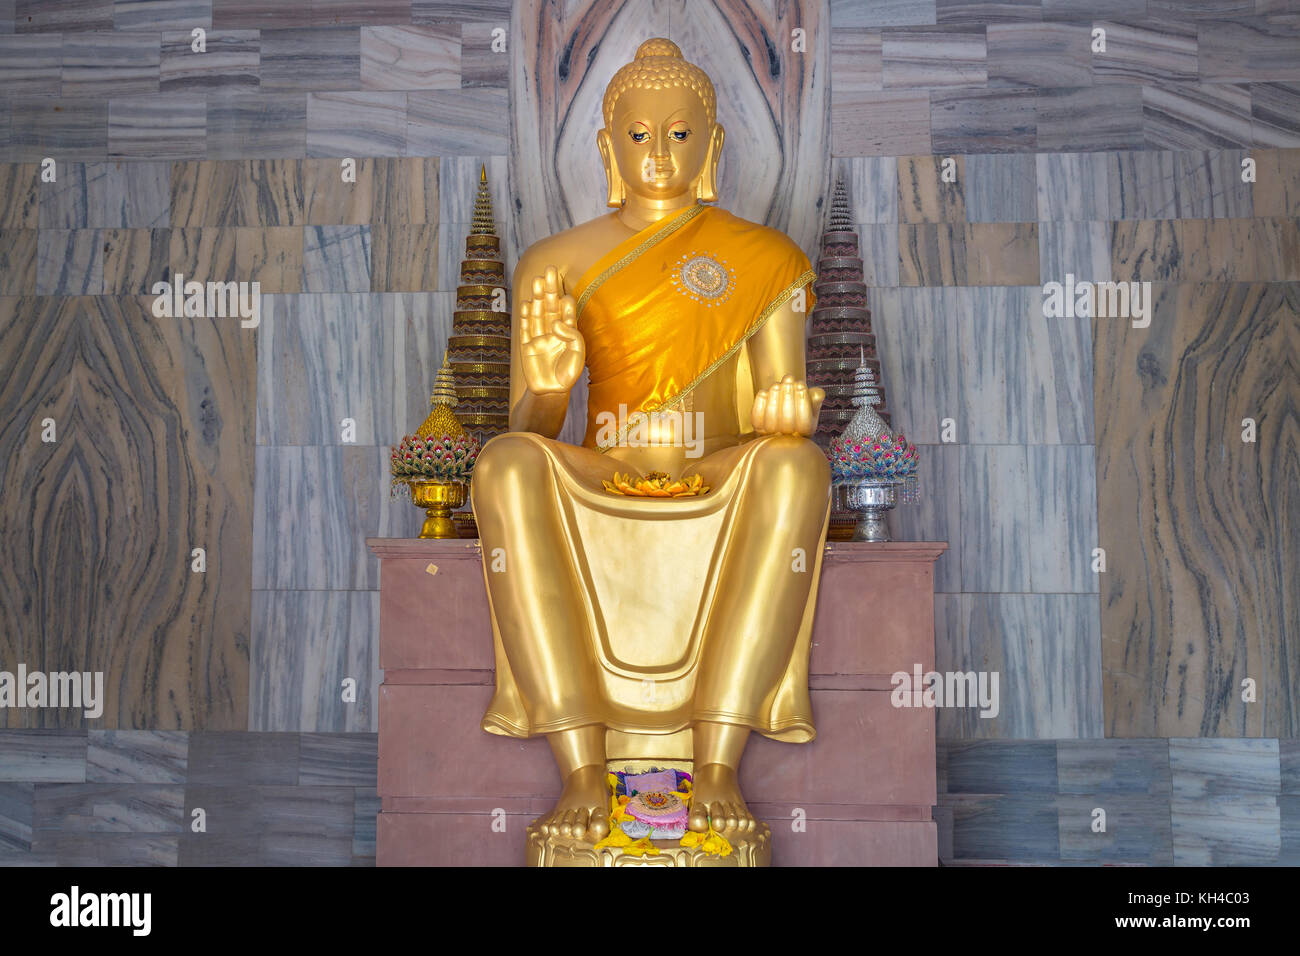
[717, 795]
[582, 811]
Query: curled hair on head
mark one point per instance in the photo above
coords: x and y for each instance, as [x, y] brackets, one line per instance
[659, 65]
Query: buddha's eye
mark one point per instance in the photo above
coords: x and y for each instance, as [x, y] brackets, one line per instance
[680, 135]
[639, 136]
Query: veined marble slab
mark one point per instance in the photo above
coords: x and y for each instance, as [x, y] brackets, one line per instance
[313, 60]
[856, 60]
[305, 644]
[916, 339]
[1192, 604]
[336, 259]
[924, 192]
[42, 756]
[408, 190]
[266, 125]
[1249, 50]
[919, 59]
[270, 256]
[1081, 249]
[68, 200]
[983, 121]
[404, 258]
[1184, 185]
[357, 124]
[1209, 767]
[70, 262]
[984, 253]
[136, 756]
[1109, 766]
[20, 182]
[167, 125]
[1164, 50]
[134, 259]
[71, 129]
[1276, 191]
[457, 122]
[1275, 114]
[154, 15]
[40, 16]
[1039, 54]
[231, 61]
[1001, 188]
[109, 808]
[16, 818]
[1062, 519]
[872, 186]
[1073, 186]
[18, 251]
[1138, 829]
[1196, 115]
[171, 409]
[1243, 829]
[410, 57]
[110, 64]
[1090, 119]
[480, 63]
[885, 13]
[889, 123]
[371, 358]
[339, 760]
[31, 65]
[329, 200]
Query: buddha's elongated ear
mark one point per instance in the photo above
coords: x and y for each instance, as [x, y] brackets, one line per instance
[706, 189]
[617, 193]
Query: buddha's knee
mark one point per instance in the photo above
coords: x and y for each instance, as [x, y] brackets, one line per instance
[793, 462]
[507, 466]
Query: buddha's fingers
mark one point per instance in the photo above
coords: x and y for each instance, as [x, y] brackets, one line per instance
[758, 414]
[534, 312]
[772, 421]
[803, 412]
[789, 407]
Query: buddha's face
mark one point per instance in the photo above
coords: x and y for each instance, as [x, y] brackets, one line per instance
[659, 141]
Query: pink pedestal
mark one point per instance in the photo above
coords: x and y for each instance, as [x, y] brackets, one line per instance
[860, 794]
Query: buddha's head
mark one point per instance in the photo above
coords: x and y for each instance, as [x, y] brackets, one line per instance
[661, 138]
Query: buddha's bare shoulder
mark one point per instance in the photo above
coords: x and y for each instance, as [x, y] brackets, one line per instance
[574, 249]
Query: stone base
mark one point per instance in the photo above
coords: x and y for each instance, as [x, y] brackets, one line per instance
[452, 795]
[754, 849]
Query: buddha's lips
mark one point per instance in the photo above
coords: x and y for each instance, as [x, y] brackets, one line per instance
[651, 169]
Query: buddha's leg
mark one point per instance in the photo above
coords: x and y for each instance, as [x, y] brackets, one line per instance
[762, 594]
[543, 627]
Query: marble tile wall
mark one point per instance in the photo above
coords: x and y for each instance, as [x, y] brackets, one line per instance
[1179, 801]
[159, 798]
[272, 799]
[1067, 434]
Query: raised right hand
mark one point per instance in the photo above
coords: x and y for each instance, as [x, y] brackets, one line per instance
[551, 348]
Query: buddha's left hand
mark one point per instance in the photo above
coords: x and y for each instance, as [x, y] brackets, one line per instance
[789, 407]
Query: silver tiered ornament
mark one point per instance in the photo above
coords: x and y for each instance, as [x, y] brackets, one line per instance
[871, 497]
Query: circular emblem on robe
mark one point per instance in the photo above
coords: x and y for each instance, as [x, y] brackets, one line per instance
[705, 279]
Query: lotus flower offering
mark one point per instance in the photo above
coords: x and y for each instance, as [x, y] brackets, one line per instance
[869, 465]
[657, 484]
[434, 458]
[884, 458]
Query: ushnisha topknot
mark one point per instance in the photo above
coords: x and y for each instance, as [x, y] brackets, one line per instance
[659, 65]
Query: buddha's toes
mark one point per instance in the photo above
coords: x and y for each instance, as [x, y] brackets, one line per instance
[582, 812]
[717, 797]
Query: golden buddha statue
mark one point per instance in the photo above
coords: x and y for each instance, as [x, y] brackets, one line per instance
[683, 616]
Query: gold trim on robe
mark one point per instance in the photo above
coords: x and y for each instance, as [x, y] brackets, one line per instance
[692, 289]
[652, 575]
